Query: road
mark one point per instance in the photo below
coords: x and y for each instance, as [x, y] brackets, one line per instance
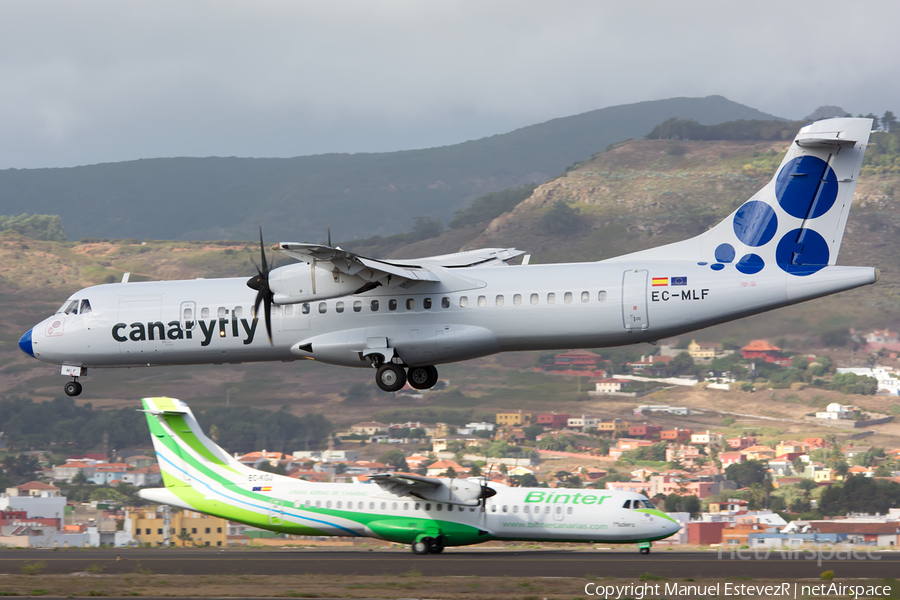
[489, 562]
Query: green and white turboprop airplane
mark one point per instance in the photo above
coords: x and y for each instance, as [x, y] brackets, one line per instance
[428, 513]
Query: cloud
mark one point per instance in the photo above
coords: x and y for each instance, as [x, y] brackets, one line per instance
[106, 81]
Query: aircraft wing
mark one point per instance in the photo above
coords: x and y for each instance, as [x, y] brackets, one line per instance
[393, 273]
[404, 484]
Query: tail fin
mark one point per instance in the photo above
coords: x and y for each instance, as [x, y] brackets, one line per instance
[797, 220]
[183, 450]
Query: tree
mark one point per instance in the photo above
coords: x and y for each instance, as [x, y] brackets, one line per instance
[888, 121]
[748, 472]
[679, 503]
[475, 470]
[394, 458]
[532, 431]
[80, 478]
[561, 219]
[526, 480]
[682, 363]
[451, 473]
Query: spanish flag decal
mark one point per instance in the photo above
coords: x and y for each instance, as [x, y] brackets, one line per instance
[660, 281]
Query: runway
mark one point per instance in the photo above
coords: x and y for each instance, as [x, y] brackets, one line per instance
[490, 562]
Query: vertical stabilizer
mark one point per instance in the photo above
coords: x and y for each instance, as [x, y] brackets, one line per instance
[796, 222]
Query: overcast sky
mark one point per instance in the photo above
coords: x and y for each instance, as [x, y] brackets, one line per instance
[86, 82]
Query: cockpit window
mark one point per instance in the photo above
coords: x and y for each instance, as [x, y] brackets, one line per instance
[72, 308]
[85, 307]
[627, 504]
[648, 504]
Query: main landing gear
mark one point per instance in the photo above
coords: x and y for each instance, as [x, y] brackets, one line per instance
[644, 547]
[428, 545]
[391, 377]
[73, 388]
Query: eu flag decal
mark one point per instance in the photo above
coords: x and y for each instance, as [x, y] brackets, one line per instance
[678, 281]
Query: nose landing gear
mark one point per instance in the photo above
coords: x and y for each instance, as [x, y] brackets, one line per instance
[73, 388]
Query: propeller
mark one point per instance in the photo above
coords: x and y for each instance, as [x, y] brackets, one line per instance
[486, 492]
[260, 283]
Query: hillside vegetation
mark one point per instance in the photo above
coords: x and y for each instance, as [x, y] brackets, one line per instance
[360, 195]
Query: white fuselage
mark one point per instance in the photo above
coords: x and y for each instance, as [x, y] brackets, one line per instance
[471, 312]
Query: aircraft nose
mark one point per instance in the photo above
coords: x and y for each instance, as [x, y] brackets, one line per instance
[25, 343]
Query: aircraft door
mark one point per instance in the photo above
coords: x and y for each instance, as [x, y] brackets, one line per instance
[634, 299]
[188, 316]
[276, 511]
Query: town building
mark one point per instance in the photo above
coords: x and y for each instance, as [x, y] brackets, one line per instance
[513, 418]
[553, 420]
[706, 438]
[644, 431]
[612, 386]
[678, 436]
[369, 428]
[583, 422]
[615, 427]
[577, 358]
[739, 443]
[837, 411]
[186, 528]
[651, 365]
[703, 351]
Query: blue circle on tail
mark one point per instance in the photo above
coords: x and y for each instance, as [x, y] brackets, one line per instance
[755, 223]
[806, 187]
[750, 264]
[802, 252]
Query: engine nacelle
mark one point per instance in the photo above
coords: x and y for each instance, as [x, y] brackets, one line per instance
[304, 282]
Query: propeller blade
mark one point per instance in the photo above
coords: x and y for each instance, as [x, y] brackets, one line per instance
[268, 302]
[329, 236]
[262, 252]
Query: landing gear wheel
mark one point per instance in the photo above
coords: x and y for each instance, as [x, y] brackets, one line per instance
[437, 546]
[422, 378]
[390, 377]
[645, 550]
[422, 546]
[73, 388]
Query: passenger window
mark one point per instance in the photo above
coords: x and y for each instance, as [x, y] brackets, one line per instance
[627, 504]
[426, 303]
[221, 312]
[525, 509]
[374, 305]
[339, 307]
[307, 503]
[339, 504]
[318, 504]
[188, 315]
[445, 302]
[371, 506]
[534, 298]
[568, 298]
[288, 309]
[410, 304]
[392, 304]
[428, 506]
[204, 313]
[440, 506]
[394, 506]
[357, 305]
[516, 508]
[559, 510]
[547, 510]
[601, 296]
[585, 296]
[238, 312]
[383, 505]
[304, 308]
[417, 506]
[323, 306]
[72, 308]
[569, 510]
[504, 508]
[85, 307]
[500, 300]
[493, 508]
[517, 299]
[463, 301]
[406, 506]
[328, 504]
[482, 300]
[551, 298]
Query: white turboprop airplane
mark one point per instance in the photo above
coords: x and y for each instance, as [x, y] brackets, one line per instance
[405, 316]
[428, 513]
